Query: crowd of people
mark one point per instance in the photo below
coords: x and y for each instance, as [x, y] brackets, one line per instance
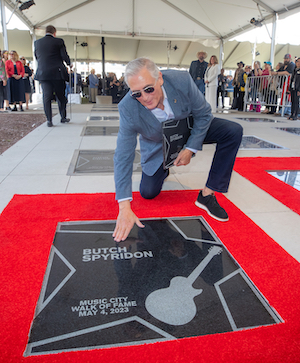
[17, 84]
[215, 85]
[16, 81]
[94, 85]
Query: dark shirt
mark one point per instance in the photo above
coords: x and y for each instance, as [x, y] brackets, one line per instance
[295, 80]
[221, 82]
[289, 68]
[197, 69]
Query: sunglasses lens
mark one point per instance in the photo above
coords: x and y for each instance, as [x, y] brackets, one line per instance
[149, 90]
[136, 94]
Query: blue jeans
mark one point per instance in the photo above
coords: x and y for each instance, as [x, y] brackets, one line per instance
[227, 135]
[201, 85]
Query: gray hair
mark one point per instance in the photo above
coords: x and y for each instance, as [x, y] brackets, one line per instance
[136, 65]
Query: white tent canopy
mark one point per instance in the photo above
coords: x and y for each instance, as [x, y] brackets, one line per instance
[168, 31]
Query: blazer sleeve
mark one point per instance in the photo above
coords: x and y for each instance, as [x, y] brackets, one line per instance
[201, 112]
[192, 70]
[63, 52]
[124, 155]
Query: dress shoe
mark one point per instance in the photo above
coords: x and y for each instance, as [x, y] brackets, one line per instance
[49, 123]
[64, 120]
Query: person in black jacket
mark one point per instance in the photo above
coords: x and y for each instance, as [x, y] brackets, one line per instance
[222, 79]
[26, 81]
[50, 53]
[295, 91]
[197, 70]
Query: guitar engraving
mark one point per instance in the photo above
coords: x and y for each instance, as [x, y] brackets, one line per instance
[175, 304]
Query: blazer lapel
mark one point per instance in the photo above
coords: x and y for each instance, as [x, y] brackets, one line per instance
[149, 118]
[174, 99]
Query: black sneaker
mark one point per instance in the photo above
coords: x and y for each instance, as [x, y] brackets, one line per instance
[212, 207]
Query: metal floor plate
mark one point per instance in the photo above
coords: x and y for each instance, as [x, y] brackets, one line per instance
[256, 119]
[102, 118]
[100, 131]
[290, 177]
[254, 143]
[104, 109]
[97, 162]
[292, 130]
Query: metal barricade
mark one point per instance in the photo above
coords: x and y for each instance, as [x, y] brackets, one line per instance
[269, 91]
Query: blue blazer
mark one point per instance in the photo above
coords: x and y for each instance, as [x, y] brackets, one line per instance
[185, 99]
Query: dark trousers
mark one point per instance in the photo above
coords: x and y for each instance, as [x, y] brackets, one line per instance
[1, 94]
[240, 101]
[49, 88]
[227, 135]
[295, 103]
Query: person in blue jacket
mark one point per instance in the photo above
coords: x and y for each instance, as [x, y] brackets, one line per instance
[155, 97]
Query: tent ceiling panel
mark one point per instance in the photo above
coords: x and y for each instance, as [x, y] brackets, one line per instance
[181, 19]
[191, 26]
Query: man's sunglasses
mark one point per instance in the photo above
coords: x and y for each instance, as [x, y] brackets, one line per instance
[148, 89]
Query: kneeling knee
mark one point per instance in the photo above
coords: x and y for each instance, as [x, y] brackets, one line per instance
[237, 132]
[149, 194]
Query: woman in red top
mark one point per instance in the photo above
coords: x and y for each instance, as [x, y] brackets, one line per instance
[15, 73]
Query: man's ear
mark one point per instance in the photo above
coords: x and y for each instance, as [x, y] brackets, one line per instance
[160, 79]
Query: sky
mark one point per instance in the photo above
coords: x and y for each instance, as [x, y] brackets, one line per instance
[14, 22]
[286, 29]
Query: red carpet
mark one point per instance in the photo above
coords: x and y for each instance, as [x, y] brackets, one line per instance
[256, 170]
[28, 226]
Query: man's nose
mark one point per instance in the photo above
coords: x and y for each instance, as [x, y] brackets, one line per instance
[145, 96]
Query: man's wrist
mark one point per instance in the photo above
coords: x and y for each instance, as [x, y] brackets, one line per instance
[124, 202]
[193, 151]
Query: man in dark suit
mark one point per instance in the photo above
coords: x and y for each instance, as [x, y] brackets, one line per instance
[50, 53]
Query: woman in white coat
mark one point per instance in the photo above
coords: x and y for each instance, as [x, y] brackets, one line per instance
[211, 82]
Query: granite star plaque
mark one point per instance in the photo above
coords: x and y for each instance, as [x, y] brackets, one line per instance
[292, 130]
[257, 119]
[290, 177]
[100, 131]
[169, 280]
[254, 143]
[102, 118]
[98, 162]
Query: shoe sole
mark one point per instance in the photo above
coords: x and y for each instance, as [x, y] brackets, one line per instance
[201, 206]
